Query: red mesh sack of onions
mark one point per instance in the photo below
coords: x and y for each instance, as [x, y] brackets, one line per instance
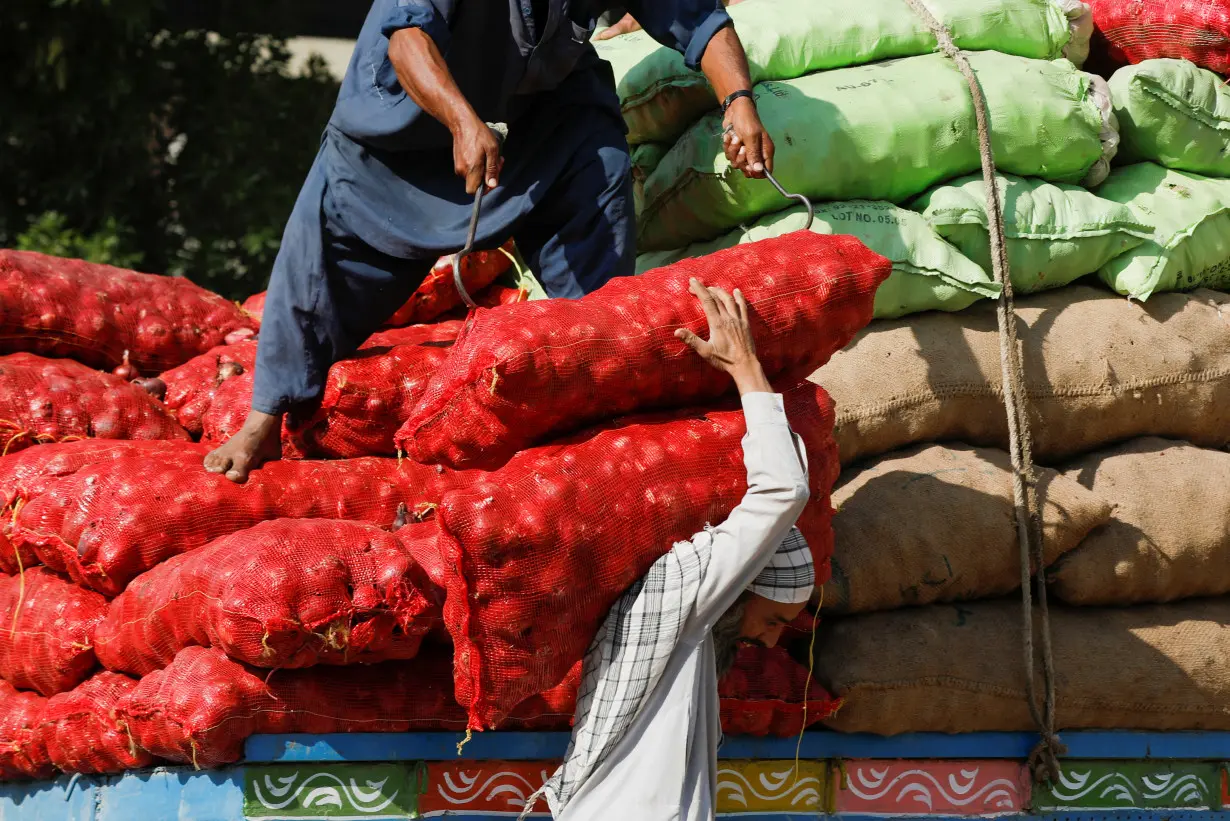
[202, 707]
[96, 313]
[767, 692]
[189, 390]
[107, 523]
[80, 732]
[22, 755]
[26, 474]
[286, 593]
[533, 555]
[437, 295]
[521, 373]
[366, 397]
[46, 641]
[53, 400]
[1131, 31]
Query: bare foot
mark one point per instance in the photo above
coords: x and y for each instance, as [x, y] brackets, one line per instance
[257, 442]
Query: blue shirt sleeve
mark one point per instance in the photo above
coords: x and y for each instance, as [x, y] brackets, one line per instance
[432, 16]
[684, 25]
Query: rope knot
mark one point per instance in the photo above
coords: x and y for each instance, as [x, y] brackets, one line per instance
[1044, 760]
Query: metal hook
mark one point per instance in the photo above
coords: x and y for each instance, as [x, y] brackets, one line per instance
[469, 246]
[501, 133]
[811, 211]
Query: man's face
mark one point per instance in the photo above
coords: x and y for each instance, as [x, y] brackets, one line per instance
[764, 620]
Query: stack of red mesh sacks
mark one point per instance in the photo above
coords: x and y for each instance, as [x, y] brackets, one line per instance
[519, 564]
[532, 555]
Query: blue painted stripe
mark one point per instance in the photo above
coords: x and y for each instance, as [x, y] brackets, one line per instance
[1116, 746]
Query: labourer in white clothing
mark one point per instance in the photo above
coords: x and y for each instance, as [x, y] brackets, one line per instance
[644, 744]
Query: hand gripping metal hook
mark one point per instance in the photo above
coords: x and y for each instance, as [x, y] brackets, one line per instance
[811, 211]
[501, 131]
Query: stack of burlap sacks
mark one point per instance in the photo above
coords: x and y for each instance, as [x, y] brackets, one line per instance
[1130, 405]
[923, 626]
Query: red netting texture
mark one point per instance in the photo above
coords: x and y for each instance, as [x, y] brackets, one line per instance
[521, 373]
[47, 644]
[26, 474]
[53, 400]
[287, 593]
[1131, 31]
[767, 693]
[201, 708]
[107, 523]
[94, 313]
[80, 732]
[368, 396]
[20, 754]
[254, 306]
[191, 388]
[532, 556]
[438, 295]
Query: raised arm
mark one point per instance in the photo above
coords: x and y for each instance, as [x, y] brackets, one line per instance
[417, 33]
[775, 459]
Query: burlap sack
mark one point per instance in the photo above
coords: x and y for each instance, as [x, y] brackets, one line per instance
[936, 524]
[959, 668]
[1169, 537]
[1099, 369]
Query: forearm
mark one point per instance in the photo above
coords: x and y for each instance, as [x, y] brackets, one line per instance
[725, 63]
[425, 77]
[750, 378]
[777, 492]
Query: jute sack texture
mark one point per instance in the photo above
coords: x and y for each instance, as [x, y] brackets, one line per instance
[928, 273]
[959, 669]
[936, 524]
[1098, 368]
[1169, 537]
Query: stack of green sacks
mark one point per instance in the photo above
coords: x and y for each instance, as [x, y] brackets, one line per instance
[1160, 222]
[887, 129]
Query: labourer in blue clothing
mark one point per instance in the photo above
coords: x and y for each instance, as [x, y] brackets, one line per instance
[409, 144]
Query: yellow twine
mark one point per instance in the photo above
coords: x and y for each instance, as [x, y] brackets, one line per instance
[466, 740]
[811, 666]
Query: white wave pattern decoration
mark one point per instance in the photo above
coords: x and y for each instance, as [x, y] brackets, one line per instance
[1171, 789]
[960, 790]
[501, 787]
[777, 787]
[282, 792]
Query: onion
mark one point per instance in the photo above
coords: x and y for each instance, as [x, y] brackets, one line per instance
[125, 370]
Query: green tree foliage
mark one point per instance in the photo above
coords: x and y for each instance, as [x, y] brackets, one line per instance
[127, 140]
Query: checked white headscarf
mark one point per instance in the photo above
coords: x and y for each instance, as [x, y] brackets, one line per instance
[630, 652]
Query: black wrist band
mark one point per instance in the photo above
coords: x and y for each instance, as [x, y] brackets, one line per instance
[736, 95]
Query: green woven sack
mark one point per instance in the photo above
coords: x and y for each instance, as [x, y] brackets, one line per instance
[1054, 233]
[1174, 113]
[928, 273]
[887, 131]
[1190, 247]
[645, 158]
[785, 39]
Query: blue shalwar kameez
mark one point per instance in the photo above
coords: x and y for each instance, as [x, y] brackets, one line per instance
[382, 202]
